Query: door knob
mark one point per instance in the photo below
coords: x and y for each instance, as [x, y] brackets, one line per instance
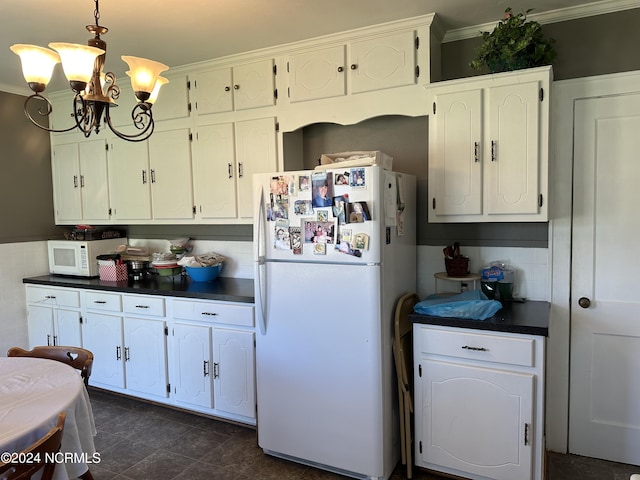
[584, 302]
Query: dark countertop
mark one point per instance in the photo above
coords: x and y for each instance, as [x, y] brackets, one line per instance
[530, 318]
[222, 288]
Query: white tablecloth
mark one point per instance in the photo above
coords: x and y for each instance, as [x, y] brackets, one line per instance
[33, 392]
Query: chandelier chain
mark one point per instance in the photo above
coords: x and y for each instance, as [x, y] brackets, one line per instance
[96, 12]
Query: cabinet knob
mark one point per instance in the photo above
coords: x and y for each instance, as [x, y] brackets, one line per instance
[584, 302]
[354, 66]
[227, 88]
[340, 69]
[236, 87]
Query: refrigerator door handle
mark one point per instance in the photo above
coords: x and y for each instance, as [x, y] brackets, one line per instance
[259, 256]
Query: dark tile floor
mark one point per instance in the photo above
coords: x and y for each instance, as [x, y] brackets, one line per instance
[141, 441]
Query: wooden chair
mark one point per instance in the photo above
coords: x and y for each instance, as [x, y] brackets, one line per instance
[403, 356]
[79, 358]
[39, 454]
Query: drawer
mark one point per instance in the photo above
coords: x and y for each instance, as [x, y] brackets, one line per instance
[96, 300]
[61, 297]
[478, 346]
[214, 312]
[144, 305]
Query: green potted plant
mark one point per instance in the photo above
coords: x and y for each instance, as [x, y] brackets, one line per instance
[513, 44]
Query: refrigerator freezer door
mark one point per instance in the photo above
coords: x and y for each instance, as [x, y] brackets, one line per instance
[318, 366]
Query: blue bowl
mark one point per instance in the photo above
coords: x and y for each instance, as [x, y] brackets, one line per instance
[204, 274]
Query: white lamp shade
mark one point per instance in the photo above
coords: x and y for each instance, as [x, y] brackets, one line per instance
[77, 60]
[143, 73]
[156, 90]
[37, 62]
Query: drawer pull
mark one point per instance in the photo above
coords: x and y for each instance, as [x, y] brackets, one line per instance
[50, 297]
[142, 306]
[477, 349]
[99, 301]
[213, 314]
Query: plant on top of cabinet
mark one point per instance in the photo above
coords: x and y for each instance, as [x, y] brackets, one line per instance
[513, 44]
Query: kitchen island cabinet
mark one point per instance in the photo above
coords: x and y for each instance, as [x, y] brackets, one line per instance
[173, 341]
[479, 393]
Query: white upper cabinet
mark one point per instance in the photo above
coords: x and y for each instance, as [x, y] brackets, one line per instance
[317, 74]
[240, 87]
[489, 148]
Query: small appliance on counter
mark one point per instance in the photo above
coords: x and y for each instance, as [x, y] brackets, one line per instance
[78, 258]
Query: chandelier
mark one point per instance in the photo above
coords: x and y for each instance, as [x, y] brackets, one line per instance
[95, 92]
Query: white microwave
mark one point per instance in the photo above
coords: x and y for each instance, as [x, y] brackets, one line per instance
[78, 257]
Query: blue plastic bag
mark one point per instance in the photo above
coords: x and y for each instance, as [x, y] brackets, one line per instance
[472, 305]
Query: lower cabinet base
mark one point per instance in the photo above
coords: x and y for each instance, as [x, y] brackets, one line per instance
[170, 403]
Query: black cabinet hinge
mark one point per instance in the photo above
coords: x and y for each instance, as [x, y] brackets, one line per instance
[168, 388]
[275, 69]
[417, 43]
[417, 71]
[189, 107]
[194, 209]
[420, 370]
[190, 137]
[433, 203]
[275, 94]
[434, 108]
[287, 67]
[166, 331]
[420, 445]
[277, 126]
[541, 94]
[110, 212]
[80, 318]
[188, 84]
[540, 200]
[106, 147]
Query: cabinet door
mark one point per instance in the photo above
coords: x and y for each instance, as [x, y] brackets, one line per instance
[234, 371]
[513, 149]
[477, 420]
[66, 183]
[94, 180]
[129, 178]
[317, 74]
[102, 335]
[455, 159]
[173, 100]
[145, 355]
[213, 91]
[170, 174]
[40, 325]
[68, 329]
[192, 356]
[383, 62]
[255, 153]
[254, 85]
[214, 171]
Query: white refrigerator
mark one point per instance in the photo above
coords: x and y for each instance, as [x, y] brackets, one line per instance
[334, 249]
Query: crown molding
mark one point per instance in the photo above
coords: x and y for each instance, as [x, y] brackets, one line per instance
[552, 16]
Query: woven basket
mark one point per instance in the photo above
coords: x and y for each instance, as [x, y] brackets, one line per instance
[457, 267]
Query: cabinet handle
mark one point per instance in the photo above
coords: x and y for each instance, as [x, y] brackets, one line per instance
[476, 150]
[144, 177]
[216, 372]
[213, 314]
[353, 66]
[493, 150]
[142, 306]
[118, 353]
[240, 170]
[236, 87]
[55, 340]
[230, 170]
[50, 297]
[126, 354]
[526, 434]
[48, 340]
[477, 349]
[81, 181]
[227, 88]
[205, 368]
[75, 181]
[340, 69]
[153, 176]
[99, 301]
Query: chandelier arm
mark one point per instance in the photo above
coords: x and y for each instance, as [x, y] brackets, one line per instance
[43, 113]
[142, 120]
[84, 116]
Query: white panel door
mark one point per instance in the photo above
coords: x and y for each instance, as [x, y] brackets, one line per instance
[102, 335]
[94, 180]
[317, 74]
[192, 355]
[605, 308]
[145, 355]
[66, 182]
[129, 180]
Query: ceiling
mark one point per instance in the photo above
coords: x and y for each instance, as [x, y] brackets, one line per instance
[182, 32]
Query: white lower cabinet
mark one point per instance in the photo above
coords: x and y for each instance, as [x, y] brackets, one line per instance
[53, 316]
[214, 358]
[479, 403]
